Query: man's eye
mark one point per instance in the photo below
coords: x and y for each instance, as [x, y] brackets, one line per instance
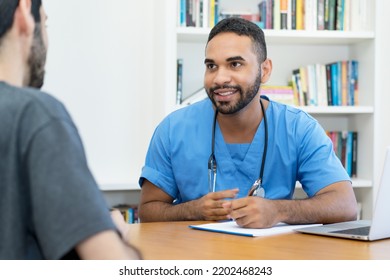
[210, 66]
[236, 64]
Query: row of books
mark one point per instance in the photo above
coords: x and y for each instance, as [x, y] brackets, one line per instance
[129, 212]
[343, 15]
[332, 84]
[345, 146]
[197, 13]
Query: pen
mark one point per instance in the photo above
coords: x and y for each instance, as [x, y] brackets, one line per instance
[257, 189]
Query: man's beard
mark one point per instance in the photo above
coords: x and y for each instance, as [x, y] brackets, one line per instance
[245, 97]
[37, 60]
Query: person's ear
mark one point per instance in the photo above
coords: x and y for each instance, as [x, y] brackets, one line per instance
[266, 69]
[23, 18]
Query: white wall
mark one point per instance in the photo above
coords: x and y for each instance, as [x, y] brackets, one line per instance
[101, 66]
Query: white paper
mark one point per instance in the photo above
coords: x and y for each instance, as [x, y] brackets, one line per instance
[231, 227]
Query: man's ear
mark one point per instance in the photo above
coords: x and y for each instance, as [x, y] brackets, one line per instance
[23, 18]
[266, 70]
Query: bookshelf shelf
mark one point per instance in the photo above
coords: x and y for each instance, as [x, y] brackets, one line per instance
[340, 110]
[119, 187]
[116, 194]
[196, 34]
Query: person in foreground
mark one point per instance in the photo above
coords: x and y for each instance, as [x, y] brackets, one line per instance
[50, 205]
[198, 170]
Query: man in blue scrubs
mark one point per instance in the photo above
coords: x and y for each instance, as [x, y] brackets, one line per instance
[175, 179]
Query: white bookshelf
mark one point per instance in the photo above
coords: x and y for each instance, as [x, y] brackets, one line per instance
[114, 193]
[289, 49]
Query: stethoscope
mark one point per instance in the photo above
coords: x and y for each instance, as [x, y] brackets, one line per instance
[257, 187]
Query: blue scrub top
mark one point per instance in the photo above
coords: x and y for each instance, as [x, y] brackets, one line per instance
[298, 150]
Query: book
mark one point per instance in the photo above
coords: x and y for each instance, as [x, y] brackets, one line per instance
[354, 82]
[216, 11]
[322, 90]
[276, 15]
[281, 94]
[298, 83]
[334, 83]
[129, 212]
[269, 15]
[283, 14]
[300, 13]
[312, 91]
[179, 81]
[304, 85]
[348, 153]
[347, 15]
[321, 15]
[331, 15]
[359, 19]
[310, 16]
[344, 83]
[262, 6]
[211, 13]
[354, 154]
[289, 14]
[182, 13]
[339, 15]
[293, 14]
[345, 147]
[329, 84]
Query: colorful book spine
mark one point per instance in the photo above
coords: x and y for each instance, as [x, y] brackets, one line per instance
[345, 148]
[283, 14]
[293, 14]
[300, 13]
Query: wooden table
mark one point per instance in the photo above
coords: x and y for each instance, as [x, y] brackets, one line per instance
[176, 241]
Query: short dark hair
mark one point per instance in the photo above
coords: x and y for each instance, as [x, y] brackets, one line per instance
[7, 11]
[242, 27]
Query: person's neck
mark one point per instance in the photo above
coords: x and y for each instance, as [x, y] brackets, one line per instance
[242, 126]
[9, 76]
[12, 69]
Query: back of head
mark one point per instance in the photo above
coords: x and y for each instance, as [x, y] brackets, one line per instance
[242, 27]
[7, 11]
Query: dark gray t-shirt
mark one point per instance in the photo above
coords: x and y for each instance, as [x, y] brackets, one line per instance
[49, 201]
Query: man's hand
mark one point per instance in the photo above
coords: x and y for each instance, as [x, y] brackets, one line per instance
[120, 222]
[252, 212]
[210, 207]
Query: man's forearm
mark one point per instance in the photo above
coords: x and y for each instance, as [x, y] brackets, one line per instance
[329, 207]
[157, 211]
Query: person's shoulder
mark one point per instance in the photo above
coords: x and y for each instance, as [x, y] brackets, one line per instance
[187, 117]
[47, 101]
[38, 102]
[290, 111]
[195, 108]
[190, 112]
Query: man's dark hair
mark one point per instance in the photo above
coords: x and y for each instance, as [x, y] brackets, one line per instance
[242, 27]
[7, 11]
